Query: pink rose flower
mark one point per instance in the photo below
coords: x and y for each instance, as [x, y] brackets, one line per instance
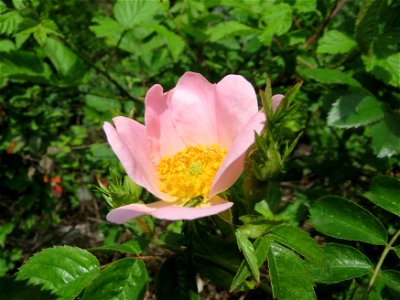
[191, 148]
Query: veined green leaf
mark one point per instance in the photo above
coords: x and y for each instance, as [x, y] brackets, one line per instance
[354, 110]
[124, 279]
[385, 192]
[248, 251]
[228, 29]
[299, 241]
[63, 270]
[132, 13]
[289, 277]
[130, 247]
[278, 18]
[343, 262]
[391, 278]
[334, 42]
[340, 218]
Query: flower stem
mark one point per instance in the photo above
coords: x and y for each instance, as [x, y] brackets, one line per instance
[385, 252]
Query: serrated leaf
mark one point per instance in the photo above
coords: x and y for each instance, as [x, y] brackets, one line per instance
[335, 42]
[130, 247]
[228, 29]
[9, 22]
[178, 279]
[299, 241]
[343, 263]
[68, 65]
[391, 278]
[342, 219]
[131, 13]
[278, 19]
[260, 249]
[124, 279]
[63, 270]
[354, 110]
[330, 76]
[248, 251]
[106, 27]
[385, 192]
[289, 277]
[386, 136]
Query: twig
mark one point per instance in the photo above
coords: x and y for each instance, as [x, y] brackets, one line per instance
[385, 252]
[321, 29]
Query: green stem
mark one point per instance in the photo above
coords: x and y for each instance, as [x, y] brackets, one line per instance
[385, 252]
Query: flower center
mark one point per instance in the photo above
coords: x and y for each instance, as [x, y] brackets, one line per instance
[189, 173]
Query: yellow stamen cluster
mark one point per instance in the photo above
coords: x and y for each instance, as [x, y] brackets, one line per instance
[189, 173]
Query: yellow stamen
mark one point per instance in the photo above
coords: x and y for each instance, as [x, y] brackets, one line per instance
[189, 173]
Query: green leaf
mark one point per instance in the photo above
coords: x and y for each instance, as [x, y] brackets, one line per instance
[260, 249]
[335, 42]
[391, 278]
[175, 43]
[9, 22]
[385, 68]
[228, 29]
[354, 110]
[11, 289]
[343, 262]
[342, 219]
[131, 13]
[278, 19]
[304, 6]
[24, 65]
[330, 76]
[5, 230]
[63, 270]
[289, 277]
[122, 280]
[102, 104]
[178, 279]
[248, 251]
[106, 27]
[385, 192]
[130, 247]
[299, 241]
[397, 251]
[386, 136]
[69, 66]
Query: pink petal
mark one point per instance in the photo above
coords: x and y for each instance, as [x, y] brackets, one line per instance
[162, 136]
[233, 165]
[236, 104]
[276, 100]
[128, 141]
[166, 211]
[193, 110]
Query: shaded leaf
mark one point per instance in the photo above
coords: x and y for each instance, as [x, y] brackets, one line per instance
[391, 278]
[343, 262]
[340, 218]
[385, 192]
[63, 270]
[130, 247]
[289, 277]
[386, 136]
[11, 289]
[122, 280]
[354, 110]
[178, 279]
